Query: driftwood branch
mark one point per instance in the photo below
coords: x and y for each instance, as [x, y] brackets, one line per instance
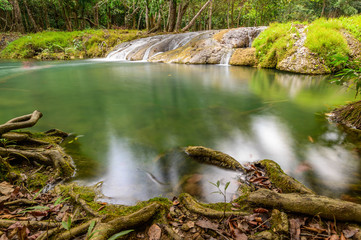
[21, 122]
[308, 204]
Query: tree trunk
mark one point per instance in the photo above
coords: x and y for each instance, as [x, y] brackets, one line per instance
[45, 9]
[147, 25]
[191, 23]
[323, 8]
[96, 15]
[210, 16]
[17, 16]
[36, 28]
[228, 8]
[172, 15]
[158, 24]
[66, 17]
[181, 11]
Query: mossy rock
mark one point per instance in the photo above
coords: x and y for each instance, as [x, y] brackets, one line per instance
[244, 57]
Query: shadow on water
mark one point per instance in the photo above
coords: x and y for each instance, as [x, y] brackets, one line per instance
[130, 113]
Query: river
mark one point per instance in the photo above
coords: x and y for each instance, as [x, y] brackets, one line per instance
[125, 115]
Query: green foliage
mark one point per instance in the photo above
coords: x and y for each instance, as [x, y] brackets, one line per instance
[67, 224]
[66, 45]
[5, 5]
[325, 39]
[273, 43]
[118, 235]
[350, 76]
[223, 193]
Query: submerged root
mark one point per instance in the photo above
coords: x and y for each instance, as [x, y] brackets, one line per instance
[308, 204]
[213, 157]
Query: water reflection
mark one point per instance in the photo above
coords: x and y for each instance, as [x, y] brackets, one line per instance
[131, 113]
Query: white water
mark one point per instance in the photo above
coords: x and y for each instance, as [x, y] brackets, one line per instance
[226, 57]
[154, 45]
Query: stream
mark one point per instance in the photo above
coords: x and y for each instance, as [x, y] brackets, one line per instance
[127, 120]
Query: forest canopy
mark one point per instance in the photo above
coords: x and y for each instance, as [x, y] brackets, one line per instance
[163, 15]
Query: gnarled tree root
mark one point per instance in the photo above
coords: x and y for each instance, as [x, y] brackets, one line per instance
[213, 157]
[105, 230]
[36, 224]
[308, 204]
[83, 204]
[21, 122]
[193, 206]
[281, 180]
[76, 231]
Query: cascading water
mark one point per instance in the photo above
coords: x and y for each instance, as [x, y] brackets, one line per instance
[143, 49]
[226, 57]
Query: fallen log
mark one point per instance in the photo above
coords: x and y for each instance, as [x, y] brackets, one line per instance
[307, 204]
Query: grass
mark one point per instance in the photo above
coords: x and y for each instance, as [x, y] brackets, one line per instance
[274, 43]
[66, 45]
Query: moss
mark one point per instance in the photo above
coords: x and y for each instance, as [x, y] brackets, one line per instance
[219, 36]
[244, 57]
[37, 180]
[281, 180]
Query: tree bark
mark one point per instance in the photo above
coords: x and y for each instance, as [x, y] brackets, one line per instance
[308, 204]
[147, 25]
[66, 17]
[96, 15]
[228, 7]
[36, 27]
[172, 15]
[17, 16]
[181, 11]
[158, 24]
[191, 23]
[45, 9]
[323, 8]
[210, 16]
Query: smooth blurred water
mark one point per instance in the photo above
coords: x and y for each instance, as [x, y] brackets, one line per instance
[128, 114]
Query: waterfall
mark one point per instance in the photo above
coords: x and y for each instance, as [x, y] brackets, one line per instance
[144, 48]
[250, 39]
[226, 57]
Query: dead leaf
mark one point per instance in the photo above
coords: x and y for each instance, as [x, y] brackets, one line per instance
[154, 232]
[207, 224]
[342, 237]
[295, 227]
[4, 237]
[334, 237]
[240, 236]
[310, 139]
[7, 216]
[349, 233]
[6, 188]
[260, 210]
[315, 229]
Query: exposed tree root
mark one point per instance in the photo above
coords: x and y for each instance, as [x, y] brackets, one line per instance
[281, 180]
[193, 206]
[83, 204]
[21, 202]
[23, 138]
[308, 204]
[213, 157]
[127, 222]
[76, 231]
[36, 224]
[21, 122]
[170, 232]
[349, 115]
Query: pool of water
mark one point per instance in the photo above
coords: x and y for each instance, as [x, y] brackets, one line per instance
[131, 117]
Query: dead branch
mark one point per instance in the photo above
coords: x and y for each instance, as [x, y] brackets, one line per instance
[126, 222]
[21, 122]
[193, 206]
[29, 155]
[21, 202]
[308, 204]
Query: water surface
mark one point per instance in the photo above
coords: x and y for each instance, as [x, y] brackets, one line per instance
[129, 114]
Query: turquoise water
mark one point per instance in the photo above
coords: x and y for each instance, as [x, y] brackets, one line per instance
[127, 114]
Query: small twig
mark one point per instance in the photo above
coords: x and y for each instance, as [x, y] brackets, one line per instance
[262, 224]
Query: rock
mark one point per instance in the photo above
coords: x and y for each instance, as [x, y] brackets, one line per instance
[301, 59]
[244, 57]
[239, 37]
[279, 221]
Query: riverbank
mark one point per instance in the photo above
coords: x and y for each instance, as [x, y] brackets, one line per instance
[270, 204]
[56, 45]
